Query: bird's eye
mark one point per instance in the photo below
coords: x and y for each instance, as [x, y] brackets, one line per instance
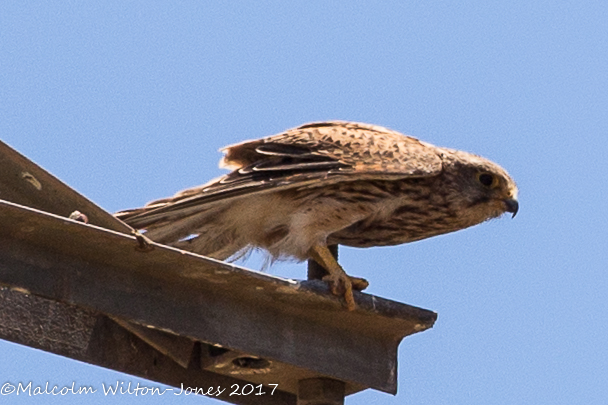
[488, 180]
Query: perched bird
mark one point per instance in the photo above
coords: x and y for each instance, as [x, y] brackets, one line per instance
[328, 183]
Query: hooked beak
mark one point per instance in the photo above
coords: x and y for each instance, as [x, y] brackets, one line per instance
[512, 206]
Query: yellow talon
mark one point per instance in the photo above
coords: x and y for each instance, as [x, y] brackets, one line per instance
[339, 282]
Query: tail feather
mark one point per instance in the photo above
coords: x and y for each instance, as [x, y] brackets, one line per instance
[204, 232]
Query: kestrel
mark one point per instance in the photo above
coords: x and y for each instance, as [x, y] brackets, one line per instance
[329, 183]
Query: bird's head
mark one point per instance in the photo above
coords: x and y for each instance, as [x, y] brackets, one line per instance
[477, 188]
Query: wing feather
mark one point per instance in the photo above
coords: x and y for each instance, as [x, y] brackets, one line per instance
[312, 155]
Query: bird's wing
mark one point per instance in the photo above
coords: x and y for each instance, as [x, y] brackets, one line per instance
[312, 155]
[356, 147]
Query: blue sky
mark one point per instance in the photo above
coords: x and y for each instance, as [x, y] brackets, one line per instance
[129, 101]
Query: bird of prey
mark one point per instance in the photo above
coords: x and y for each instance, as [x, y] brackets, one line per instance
[329, 183]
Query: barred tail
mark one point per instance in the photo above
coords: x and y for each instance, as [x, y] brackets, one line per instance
[205, 231]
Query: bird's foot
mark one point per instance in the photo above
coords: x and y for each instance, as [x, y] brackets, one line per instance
[358, 283]
[340, 284]
[343, 285]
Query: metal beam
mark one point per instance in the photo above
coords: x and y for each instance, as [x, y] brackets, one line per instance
[208, 316]
[320, 391]
[88, 336]
[24, 182]
[294, 323]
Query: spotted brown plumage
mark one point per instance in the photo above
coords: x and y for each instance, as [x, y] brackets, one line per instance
[326, 183]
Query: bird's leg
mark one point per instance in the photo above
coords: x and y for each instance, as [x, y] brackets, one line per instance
[339, 282]
[328, 259]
